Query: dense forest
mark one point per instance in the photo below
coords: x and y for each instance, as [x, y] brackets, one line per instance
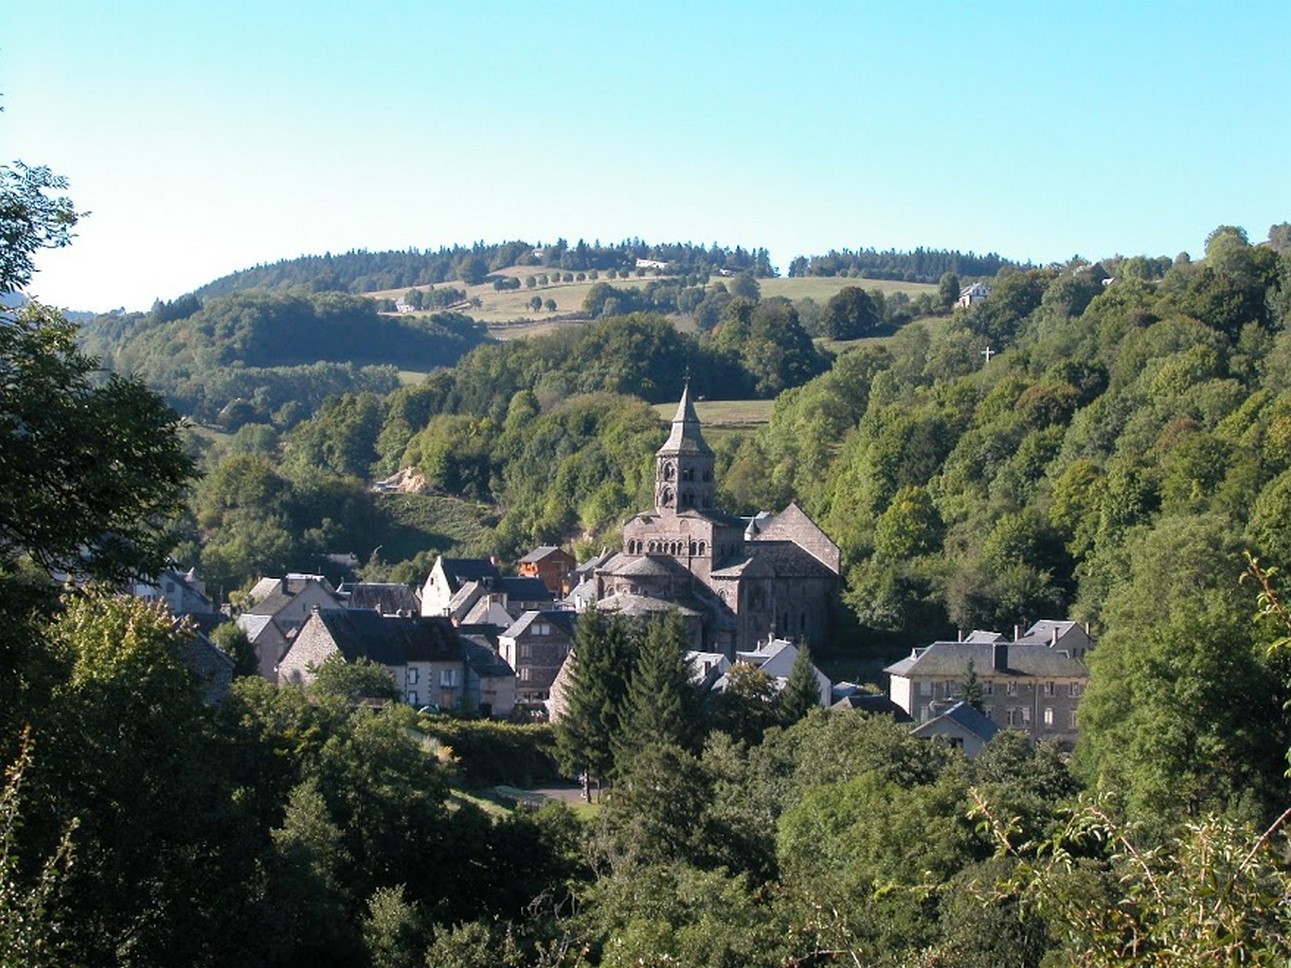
[921, 265]
[1115, 457]
[361, 271]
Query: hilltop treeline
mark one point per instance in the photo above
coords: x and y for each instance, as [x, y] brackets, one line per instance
[921, 265]
[260, 352]
[361, 271]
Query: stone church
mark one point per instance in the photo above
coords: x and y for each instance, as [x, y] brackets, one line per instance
[737, 581]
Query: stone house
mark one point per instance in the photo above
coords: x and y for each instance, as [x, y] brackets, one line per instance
[747, 580]
[490, 681]
[960, 725]
[277, 609]
[776, 658]
[535, 646]
[551, 565]
[385, 598]
[1026, 685]
[424, 655]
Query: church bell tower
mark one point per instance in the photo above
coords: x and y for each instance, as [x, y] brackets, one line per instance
[684, 464]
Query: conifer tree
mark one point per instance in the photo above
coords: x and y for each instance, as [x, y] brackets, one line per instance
[662, 705]
[801, 692]
[602, 665]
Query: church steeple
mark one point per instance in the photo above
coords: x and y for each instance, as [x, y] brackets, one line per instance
[684, 464]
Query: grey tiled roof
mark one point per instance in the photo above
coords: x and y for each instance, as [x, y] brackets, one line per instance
[952, 658]
[966, 717]
[388, 598]
[639, 605]
[391, 640]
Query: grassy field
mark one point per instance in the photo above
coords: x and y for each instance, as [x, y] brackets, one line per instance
[932, 323]
[509, 315]
[730, 414]
[821, 288]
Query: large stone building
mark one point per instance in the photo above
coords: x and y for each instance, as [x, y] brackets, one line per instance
[747, 579]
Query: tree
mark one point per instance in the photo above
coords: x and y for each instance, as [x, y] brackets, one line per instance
[602, 666]
[549, 305]
[850, 314]
[661, 704]
[360, 679]
[801, 693]
[30, 220]
[472, 270]
[90, 472]
[948, 290]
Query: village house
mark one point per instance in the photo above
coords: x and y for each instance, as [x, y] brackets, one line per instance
[490, 681]
[535, 646]
[1029, 684]
[961, 726]
[384, 598]
[424, 656]
[183, 592]
[971, 295]
[276, 610]
[551, 565]
[744, 579]
[471, 591]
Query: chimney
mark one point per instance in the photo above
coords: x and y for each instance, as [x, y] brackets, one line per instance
[1017, 632]
[1000, 657]
[1053, 637]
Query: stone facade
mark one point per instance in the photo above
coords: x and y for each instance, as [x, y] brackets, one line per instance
[1027, 685]
[747, 580]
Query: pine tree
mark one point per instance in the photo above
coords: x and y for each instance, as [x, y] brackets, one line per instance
[662, 706]
[972, 689]
[602, 664]
[801, 692]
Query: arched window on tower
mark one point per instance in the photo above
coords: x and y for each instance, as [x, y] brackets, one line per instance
[669, 470]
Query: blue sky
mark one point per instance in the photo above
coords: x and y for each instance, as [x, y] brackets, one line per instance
[208, 137]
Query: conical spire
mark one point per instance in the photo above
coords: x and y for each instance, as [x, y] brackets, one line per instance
[684, 464]
[685, 437]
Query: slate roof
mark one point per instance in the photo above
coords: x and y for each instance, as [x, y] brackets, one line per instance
[484, 662]
[538, 554]
[253, 625]
[1023, 658]
[563, 619]
[459, 570]
[388, 598]
[963, 715]
[779, 559]
[391, 640]
[685, 437]
[649, 566]
[634, 606]
[876, 705]
[519, 589]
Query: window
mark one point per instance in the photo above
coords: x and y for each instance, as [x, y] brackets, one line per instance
[526, 650]
[447, 678]
[952, 689]
[1026, 715]
[1048, 688]
[988, 688]
[412, 698]
[524, 674]
[1048, 717]
[1073, 689]
[1013, 688]
[925, 688]
[1011, 717]
[1071, 719]
[541, 628]
[412, 675]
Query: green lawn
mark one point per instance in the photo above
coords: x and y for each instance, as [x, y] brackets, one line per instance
[728, 414]
[821, 288]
